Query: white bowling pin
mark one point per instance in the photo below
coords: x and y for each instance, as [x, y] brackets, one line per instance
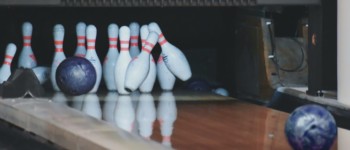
[124, 113]
[167, 114]
[165, 77]
[91, 55]
[148, 83]
[60, 98]
[42, 73]
[80, 51]
[78, 102]
[174, 59]
[123, 60]
[134, 38]
[59, 56]
[27, 58]
[109, 106]
[139, 66]
[146, 115]
[111, 58]
[5, 70]
[91, 105]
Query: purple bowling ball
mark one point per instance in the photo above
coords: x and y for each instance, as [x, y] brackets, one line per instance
[75, 76]
[311, 127]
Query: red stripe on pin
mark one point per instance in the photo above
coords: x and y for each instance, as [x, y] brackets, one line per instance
[59, 50]
[81, 37]
[27, 37]
[163, 42]
[134, 37]
[81, 44]
[91, 40]
[9, 57]
[90, 47]
[134, 44]
[58, 42]
[26, 44]
[149, 44]
[146, 50]
[112, 46]
[7, 63]
[124, 42]
[113, 39]
[161, 35]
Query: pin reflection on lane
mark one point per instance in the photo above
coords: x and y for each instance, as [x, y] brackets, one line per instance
[146, 115]
[124, 113]
[109, 107]
[91, 106]
[60, 98]
[167, 114]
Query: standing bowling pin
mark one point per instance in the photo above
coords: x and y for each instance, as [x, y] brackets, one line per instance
[123, 60]
[139, 66]
[91, 55]
[148, 83]
[42, 73]
[5, 70]
[134, 39]
[165, 77]
[174, 59]
[58, 35]
[80, 50]
[111, 58]
[27, 58]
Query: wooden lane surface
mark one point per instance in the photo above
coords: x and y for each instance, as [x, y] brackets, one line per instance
[227, 125]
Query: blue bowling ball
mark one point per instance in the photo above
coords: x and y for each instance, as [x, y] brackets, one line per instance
[311, 127]
[75, 76]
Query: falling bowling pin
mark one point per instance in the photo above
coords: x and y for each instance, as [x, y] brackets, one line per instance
[81, 49]
[146, 115]
[123, 60]
[139, 66]
[5, 70]
[174, 59]
[27, 58]
[148, 83]
[59, 56]
[134, 38]
[91, 55]
[165, 77]
[111, 58]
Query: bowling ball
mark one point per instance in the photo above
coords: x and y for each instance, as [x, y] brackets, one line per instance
[198, 85]
[75, 76]
[310, 127]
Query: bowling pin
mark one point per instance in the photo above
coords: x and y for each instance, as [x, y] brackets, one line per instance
[59, 56]
[124, 113]
[109, 106]
[42, 73]
[123, 60]
[167, 114]
[165, 77]
[27, 58]
[146, 115]
[147, 85]
[78, 102]
[174, 59]
[91, 55]
[91, 106]
[5, 70]
[134, 38]
[139, 66]
[111, 58]
[80, 51]
[60, 98]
